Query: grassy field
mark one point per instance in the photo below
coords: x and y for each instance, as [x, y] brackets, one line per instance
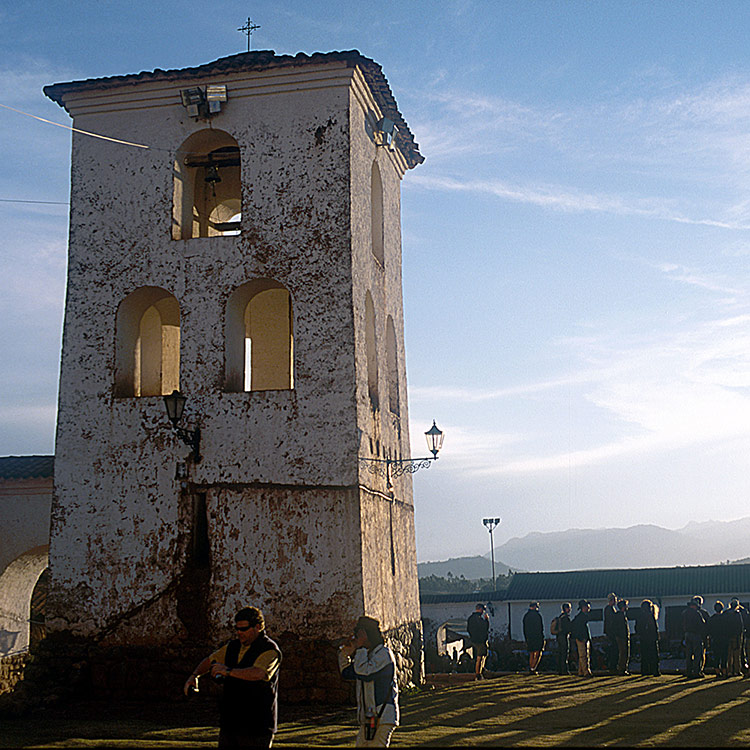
[514, 710]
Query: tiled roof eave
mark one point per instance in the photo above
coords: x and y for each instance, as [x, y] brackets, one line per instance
[258, 61]
[643, 582]
[26, 467]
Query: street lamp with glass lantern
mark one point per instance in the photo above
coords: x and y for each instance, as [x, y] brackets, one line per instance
[175, 404]
[396, 467]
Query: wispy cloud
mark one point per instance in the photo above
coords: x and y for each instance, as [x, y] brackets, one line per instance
[474, 449]
[477, 395]
[662, 391]
[676, 155]
[22, 84]
[695, 277]
[558, 197]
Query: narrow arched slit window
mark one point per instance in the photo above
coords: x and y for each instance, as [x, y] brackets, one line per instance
[391, 355]
[259, 338]
[371, 350]
[376, 211]
[207, 199]
[147, 350]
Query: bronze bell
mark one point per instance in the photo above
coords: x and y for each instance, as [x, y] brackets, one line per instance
[212, 174]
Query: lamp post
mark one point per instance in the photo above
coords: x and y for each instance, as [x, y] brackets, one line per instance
[175, 404]
[396, 467]
[490, 523]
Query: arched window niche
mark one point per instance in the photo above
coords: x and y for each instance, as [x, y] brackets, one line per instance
[147, 354]
[391, 355]
[259, 338]
[371, 349]
[376, 208]
[207, 187]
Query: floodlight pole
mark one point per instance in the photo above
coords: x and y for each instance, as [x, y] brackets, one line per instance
[490, 523]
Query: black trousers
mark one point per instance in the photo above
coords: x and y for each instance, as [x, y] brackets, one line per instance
[613, 653]
[649, 657]
[563, 649]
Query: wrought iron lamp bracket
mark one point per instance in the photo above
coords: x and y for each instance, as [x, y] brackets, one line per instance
[389, 468]
[191, 438]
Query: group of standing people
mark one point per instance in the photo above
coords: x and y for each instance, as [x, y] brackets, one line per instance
[574, 631]
[724, 632]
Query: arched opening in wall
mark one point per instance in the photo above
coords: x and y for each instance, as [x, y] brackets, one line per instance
[391, 355]
[23, 600]
[371, 348]
[259, 338]
[37, 617]
[147, 349]
[207, 198]
[376, 207]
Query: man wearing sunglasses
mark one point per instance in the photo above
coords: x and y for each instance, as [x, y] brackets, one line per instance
[248, 667]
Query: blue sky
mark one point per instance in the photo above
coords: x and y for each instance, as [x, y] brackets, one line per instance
[576, 243]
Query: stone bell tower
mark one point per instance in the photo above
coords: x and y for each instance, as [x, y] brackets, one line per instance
[235, 235]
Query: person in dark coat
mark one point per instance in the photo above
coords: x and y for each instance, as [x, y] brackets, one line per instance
[562, 635]
[478, 626]
[580, 631]
[718, 640]
[608, 615]
[694, 619]
[533, 633]
[745, 634]
[733, 627]
[621, 632]
[647, 630]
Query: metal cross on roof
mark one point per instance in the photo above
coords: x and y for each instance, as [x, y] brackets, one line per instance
[248, 29]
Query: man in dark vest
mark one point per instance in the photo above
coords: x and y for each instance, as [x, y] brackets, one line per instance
[248, 668]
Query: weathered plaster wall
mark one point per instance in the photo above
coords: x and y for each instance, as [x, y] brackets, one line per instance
[294, 524]
[115, 521]
[295, 550]
[16, 587]
[388, 536]
[24, 516]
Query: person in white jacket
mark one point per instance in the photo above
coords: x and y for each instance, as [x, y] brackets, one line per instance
[370, 662]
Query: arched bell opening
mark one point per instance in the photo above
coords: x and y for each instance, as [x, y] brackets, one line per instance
[207, 187]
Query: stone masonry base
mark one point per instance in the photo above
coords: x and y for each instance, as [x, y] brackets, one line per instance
[63, 667]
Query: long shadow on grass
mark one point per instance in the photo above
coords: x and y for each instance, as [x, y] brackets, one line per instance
[481, 703]
[627, 712]
[634, 720]
[484, 713]
[688, 706]
[719, 729]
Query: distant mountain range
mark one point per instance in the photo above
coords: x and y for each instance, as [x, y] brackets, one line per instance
[644, 546]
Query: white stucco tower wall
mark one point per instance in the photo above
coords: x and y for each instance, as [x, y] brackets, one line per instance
[149, 548]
